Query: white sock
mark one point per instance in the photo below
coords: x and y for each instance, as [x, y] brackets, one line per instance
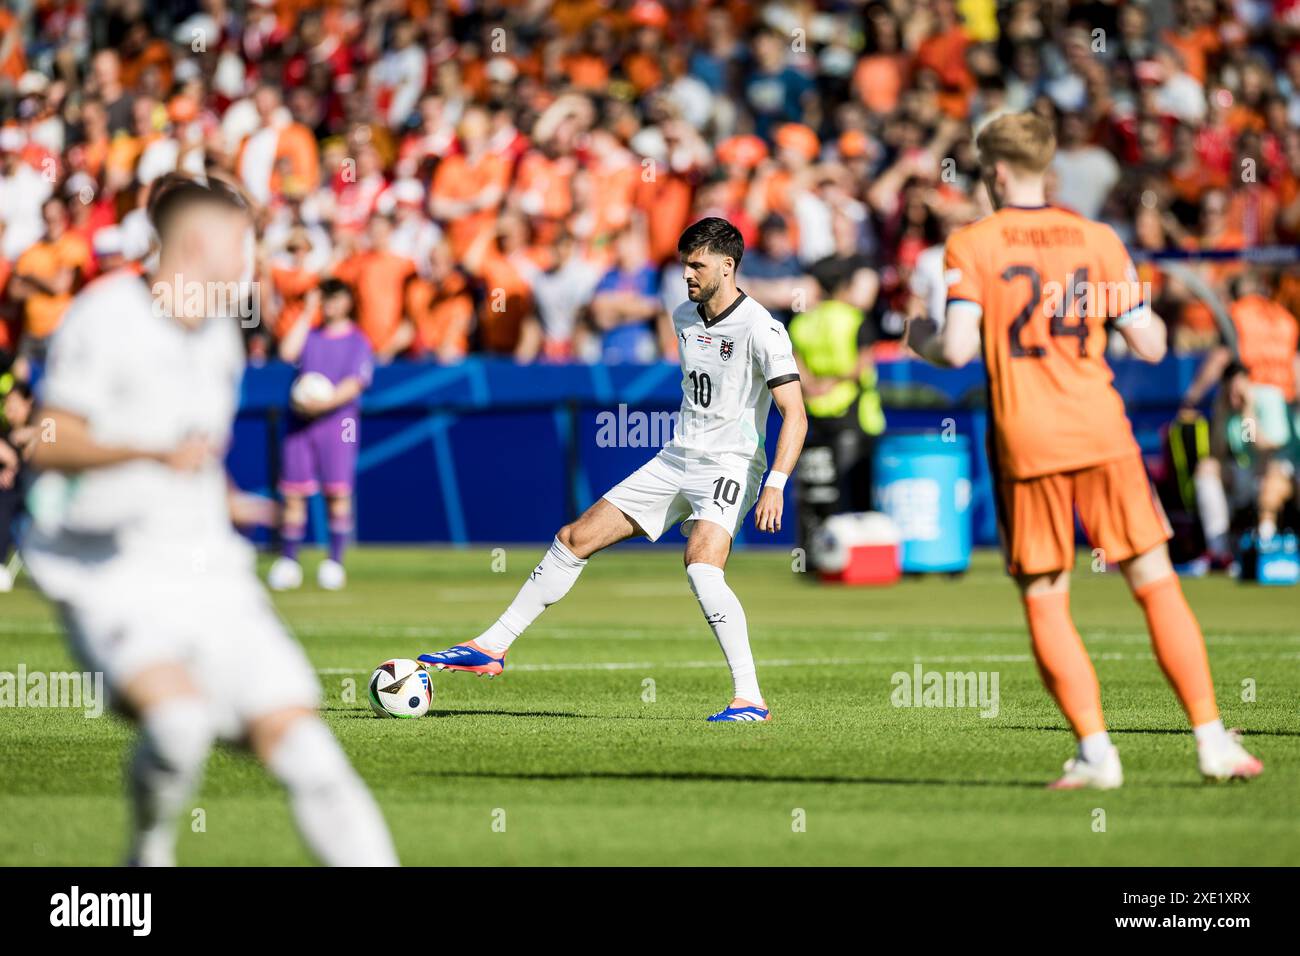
[1212, 505]
[724, 614]
[550, 581]
[175, 738]
[336, 815]
[1267, 528]
[1211, 734]
[1094, 747]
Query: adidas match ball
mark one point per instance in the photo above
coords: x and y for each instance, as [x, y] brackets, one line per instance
[400, 688]
[311, 387]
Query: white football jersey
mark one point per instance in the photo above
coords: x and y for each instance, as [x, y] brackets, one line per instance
[729, 367]
[141, 380]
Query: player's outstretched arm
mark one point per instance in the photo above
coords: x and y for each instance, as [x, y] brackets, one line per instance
[1146, 336]
[1210, 373]
[789, 444]
[956, 344]
[67, 445]
[291, 345]
[248, 510]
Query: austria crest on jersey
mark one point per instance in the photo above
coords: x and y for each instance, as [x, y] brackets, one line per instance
[726, 347]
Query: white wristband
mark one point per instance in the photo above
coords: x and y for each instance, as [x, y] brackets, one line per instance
[776, 479]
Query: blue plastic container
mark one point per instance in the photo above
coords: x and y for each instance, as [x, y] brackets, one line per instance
[922, 481]
[1275, 561]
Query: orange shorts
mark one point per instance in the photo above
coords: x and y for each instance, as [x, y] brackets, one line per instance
[1116, 505]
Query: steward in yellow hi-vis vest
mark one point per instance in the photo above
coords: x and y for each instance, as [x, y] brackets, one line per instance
[832, 346]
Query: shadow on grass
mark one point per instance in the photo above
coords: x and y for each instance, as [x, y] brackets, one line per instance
[440, 712]
[683, 776]
[1161, 730]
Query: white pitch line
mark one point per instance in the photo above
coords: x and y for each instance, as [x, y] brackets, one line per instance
[902, 635]
[638, 665]
[580, 633]
[924, 660]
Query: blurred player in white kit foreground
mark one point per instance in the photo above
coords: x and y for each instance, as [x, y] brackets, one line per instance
[133, 538]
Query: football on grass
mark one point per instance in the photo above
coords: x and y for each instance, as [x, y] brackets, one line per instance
[400, 688]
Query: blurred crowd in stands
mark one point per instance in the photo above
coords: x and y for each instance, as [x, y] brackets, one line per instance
[510, 177]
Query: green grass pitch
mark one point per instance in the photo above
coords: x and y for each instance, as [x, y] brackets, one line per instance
[592, 748]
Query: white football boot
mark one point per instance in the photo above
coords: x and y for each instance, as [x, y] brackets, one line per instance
[1080, 774]
[285, 575]
[331, 576]
[1227, 759]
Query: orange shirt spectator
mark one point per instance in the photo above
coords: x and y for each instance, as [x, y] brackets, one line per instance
[461, 183]
[1197, 316]
[1267, 337]
[508, 301]
[90, 155]
[542, 185]
[156, 55]
[297, 162]
[294, 162]
[291, 285]
[45, 262]
[945, 55]
[666, 203]
[124, 151]
[281, 156]
[378, 279]
[1242, 118]
[1191, 182]
[1252, 213]
[574, 16]
[879, 80]
[507, 296]
[643, 71]
[1195, 47]
[614, 175]
[443, 313]
[614, 193]
[586, 71]
[13, 59]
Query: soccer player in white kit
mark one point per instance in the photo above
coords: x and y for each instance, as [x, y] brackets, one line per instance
[133, 539]
[736, 361]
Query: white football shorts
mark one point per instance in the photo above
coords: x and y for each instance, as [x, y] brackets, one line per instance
[207, 611]
[681, 486]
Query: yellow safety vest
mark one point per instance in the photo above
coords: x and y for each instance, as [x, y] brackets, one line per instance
[826, 338]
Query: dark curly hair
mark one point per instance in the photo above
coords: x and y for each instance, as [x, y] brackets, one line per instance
[713, 235]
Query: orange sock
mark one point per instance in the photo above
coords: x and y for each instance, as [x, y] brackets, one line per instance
[1063, 661]
[1179, 647]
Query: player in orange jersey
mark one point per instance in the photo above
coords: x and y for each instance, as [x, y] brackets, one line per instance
[1036, 289]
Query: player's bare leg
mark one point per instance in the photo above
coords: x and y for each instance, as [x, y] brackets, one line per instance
[1274, 492]
[1180, 648]
[335, 813]
[330, 575]
[706, 555]
[286, 572]
[1068, 674]
[176, 735]
[1212, 506]
[600, 526]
